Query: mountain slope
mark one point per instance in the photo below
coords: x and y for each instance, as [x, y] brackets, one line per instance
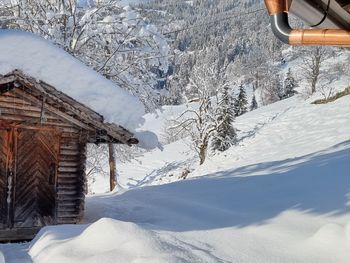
[287, 129]
[282, 195]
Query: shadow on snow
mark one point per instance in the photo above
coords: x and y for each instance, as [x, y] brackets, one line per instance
[318, 183]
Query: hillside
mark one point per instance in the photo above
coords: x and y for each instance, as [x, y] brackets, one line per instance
[280, 195]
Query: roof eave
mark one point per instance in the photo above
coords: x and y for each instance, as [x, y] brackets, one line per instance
[110, 132]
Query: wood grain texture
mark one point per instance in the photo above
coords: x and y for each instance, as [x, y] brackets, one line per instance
[28, 143]
[3, 177]
[67, 108]
[37, 162]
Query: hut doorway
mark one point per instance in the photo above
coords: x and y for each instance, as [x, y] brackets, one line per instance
[28, 172]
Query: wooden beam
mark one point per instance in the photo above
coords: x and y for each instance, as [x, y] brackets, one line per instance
[18, 234]
[112, 167]
[52, 109]
[7, 79]
[83, 116]
[115, 131]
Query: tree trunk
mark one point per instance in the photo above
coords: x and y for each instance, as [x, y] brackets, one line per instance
[202, 153]
[112, 167]
[313, 85]
[316, 70]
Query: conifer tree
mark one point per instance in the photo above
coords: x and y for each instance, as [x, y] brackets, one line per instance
[240, 103]
[279, 87]
[254, 104]
[225, 135]
[289, 85]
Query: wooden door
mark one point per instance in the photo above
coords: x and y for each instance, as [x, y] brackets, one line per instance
[30, 173]
[36, 172]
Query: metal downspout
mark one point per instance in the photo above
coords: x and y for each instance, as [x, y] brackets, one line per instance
[278, 10]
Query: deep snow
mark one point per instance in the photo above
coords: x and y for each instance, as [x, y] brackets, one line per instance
[281, 195]
[64, 72]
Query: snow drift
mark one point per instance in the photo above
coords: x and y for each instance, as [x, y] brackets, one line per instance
[105, 241]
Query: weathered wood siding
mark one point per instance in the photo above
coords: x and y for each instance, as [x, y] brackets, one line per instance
[3, 178]
[66, 179]
[71, 180]
[36, 157]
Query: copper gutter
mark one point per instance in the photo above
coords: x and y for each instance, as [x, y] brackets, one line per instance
[278, 11]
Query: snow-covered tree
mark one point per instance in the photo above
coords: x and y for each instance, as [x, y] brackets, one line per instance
[289, 85]
[115, 40]
[279, 87]
[96, 164]
[240, 102]
[254, 103]
[198, 120]
[272, 88]
[311, 66]
[225, 134]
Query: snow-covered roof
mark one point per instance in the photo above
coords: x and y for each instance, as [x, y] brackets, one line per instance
[44, 61]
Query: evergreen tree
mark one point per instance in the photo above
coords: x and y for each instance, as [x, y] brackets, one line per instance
[254, 104]
[289, 85]
[279, 87]
[240, 103]
[225, 135]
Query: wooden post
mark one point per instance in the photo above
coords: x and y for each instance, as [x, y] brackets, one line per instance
[112, 167]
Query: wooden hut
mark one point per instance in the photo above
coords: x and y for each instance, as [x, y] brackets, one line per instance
[43, 139]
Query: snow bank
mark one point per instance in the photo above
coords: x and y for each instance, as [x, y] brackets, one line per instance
[42, 60]
[294, 210]
[106, 240]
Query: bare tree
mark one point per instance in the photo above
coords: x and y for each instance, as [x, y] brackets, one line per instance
[198, 119]
[327, 91]
[270, 87]
[170, 135]
[96, 164]
[312, 62]
[331, 75]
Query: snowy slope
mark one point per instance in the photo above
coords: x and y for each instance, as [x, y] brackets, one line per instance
[282, 195]
[284, 130]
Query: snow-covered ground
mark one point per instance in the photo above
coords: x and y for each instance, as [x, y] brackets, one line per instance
[281, 195]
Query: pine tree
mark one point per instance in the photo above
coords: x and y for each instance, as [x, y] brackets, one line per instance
[240, 103]
[254, 104]
[289, 85]
[279, 87]
[225, 135]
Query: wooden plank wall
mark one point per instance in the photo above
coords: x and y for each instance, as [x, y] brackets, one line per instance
[3, 179]
[36, 156]
[71, 180]
[71, 171]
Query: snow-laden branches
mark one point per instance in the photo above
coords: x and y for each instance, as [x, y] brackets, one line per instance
[207, 116]
[113, 39]
[311, 66]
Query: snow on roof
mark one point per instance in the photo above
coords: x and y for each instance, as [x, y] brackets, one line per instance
[44, 61]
